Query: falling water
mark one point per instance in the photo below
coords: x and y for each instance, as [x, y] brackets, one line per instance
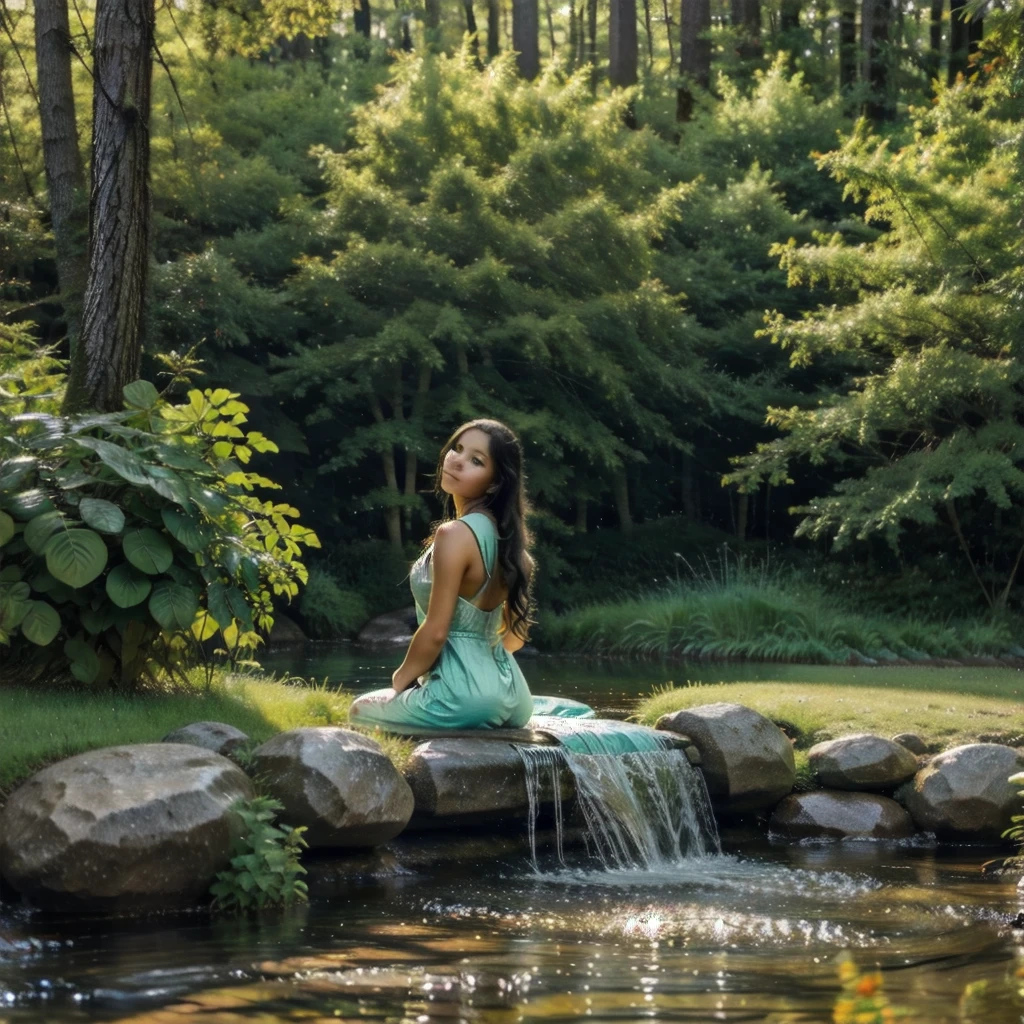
[644, 806]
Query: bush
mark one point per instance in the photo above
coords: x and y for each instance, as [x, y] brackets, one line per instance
[328, 610]
[265, 864]
[132, 536]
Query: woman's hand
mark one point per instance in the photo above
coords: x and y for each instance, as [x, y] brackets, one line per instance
[398, 681]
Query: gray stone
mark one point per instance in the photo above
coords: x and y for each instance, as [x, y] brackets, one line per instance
[123, 828]
[861, 761]
[746, 759]
[215, 736]
[964, 792]
[338, 783]
[286, 632]
[912, 742]
[469, 780]
[827, 814]
[390, 628]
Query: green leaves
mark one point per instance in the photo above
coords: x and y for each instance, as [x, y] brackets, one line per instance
[39, 530]
[185, 529]
[101, 515]
[147, 550]
[41, 623]
[15, 601]
[172, 605]
[127, 587]
[141, 394]
[76, 557]
[6, 528]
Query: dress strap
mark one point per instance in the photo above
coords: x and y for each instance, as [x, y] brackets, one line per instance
[487, 540]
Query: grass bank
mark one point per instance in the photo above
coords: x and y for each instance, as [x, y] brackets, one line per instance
[40, 726]
[768, 617]
[816, 711]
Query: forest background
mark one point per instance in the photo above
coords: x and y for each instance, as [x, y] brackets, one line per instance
[746, 280]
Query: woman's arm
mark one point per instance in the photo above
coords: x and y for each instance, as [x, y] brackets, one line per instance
[511, 641]
[453, 547]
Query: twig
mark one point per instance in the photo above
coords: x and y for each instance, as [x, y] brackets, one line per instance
[81, 21]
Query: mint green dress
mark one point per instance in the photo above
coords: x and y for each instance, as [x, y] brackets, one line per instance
[475, 683]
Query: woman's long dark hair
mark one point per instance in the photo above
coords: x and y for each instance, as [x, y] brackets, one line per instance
[508, 504]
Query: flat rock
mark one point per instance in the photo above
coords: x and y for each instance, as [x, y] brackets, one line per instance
[338, 783]
[216, 736]
[828, 814]
[861, 761]
[390, 628]
[469, 780]
[746, 759]
[123, 828]
[964, 792]
[912, 742]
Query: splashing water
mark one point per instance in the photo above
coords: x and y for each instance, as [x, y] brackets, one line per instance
[644, 806]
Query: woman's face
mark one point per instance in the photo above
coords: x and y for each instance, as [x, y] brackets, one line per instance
[468, 469]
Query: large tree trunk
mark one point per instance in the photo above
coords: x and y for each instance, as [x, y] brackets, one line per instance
[959, 40]
[493, 29]
[392, 512]
[650, 36]
[745, 16]
[620, 491]
[472, 31]
[363, 18]
[789, 15]
[668, 33]
[934, 58]
[65, 171]
[876, 42]
[432, 24]
[622, 45]
[694, 53]
[592, 41]
[525, 28]
[110, 350]
[847, 45]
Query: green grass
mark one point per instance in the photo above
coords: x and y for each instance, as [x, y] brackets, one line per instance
[816, 711]
[755, 615]
[39, 726]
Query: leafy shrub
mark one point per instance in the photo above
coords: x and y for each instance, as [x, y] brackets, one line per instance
[329, 610]
[132, 536]
[265, 866]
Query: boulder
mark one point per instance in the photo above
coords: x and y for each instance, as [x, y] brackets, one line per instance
[390, 628]
[746, 759]
[964, 792]
[215, 736]
[912, 742]
[861, 761]
[123, 828]
[827, 814]
[338, 783]
[468, 780]
[286, 632]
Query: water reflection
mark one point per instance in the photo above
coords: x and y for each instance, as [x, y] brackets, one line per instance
[750, 936]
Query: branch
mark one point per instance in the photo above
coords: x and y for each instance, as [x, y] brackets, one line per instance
[955, 520]
[8, 22]
[14, 141]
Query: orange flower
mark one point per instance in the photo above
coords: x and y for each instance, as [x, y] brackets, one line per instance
[869, 984]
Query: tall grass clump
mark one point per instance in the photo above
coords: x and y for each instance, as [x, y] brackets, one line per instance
[733, 609]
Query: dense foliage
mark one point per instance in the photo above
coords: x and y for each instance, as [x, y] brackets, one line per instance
[133, 536]
[370, 246]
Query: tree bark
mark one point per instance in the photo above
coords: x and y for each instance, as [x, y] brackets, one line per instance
[551, 26]
[392, 513]
[934, 59]
[876, 40]
[493, 29]
[650, 35]
[694, 53]
[746, 17]
[109, 354]
[668, 33]
[592, 41]
[959, 43]
[65, 170]
[789, 15]
[472, 31]
[574, 36]
[525, 29]
[620, 490]
[622, 43]
[847, 45]
[363, 18]
[432, 24]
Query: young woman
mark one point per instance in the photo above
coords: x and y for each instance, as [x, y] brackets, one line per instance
[472, 591]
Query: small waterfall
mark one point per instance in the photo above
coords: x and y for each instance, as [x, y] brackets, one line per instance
[644, 806]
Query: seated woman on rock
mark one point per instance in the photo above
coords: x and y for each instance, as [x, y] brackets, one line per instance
[471, 586]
